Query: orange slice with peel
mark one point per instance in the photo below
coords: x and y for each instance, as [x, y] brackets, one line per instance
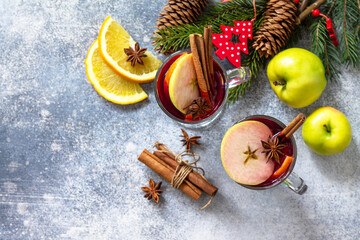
[113, 38]
[108, 83]
[172, 68]
[284, 166]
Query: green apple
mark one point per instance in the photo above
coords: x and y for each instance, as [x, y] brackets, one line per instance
[297, 76]
[327, 131]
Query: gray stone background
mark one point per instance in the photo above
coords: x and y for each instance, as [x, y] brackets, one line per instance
[68, 157]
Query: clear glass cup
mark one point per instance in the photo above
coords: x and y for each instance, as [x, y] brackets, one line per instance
[225, 80]
[289, 178]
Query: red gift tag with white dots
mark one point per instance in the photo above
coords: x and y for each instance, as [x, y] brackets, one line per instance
[245, 29]
[226, 48]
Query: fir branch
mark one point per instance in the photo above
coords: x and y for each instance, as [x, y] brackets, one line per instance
[357, 31]
[173, 38]
[325, 49]
[228, 12]
[331, 7]
[346, 54]
[346, 14]
[255, 63]
[351, 57]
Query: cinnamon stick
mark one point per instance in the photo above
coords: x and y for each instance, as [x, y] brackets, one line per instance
[164, 149]
[209, 57]
[165, 171]
[293, 126]
[198, 53]
[193, 176]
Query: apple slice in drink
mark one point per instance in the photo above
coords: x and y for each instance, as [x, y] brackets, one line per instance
[241, 153]
[169, 73]
[183, 87]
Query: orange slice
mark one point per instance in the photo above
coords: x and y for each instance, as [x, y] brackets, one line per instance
[108, 83]
[282, 168]
[113, 38]
[172, 68]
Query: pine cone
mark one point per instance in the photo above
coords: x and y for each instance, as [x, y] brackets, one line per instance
[178, 12]
[275, 30]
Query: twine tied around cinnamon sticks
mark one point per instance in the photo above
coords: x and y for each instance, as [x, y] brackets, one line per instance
[184, 168]
[162, 161]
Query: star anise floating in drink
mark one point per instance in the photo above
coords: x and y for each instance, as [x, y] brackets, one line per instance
[135, 55]
[188, 141]
[273, 149]
[198, 107]
[153, 191]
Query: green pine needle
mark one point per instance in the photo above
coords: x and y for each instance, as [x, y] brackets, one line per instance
[177, 37]
[346, 18]
[325, 49]
[255, 63]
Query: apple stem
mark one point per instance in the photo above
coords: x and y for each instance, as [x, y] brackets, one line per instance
[327, 128]
[276, 83]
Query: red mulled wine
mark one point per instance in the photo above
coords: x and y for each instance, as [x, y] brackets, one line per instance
[163, 90]
[288, 151]
[250, 151]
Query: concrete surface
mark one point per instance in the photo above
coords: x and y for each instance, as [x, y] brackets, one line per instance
[68, 157]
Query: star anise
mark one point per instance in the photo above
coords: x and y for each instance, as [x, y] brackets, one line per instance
[135, 55]
[272, 149]
[250, 155]
[198, 107]
[189, 140]
[152, 191]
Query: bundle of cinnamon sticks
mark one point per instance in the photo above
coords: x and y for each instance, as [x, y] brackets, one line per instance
[201, 48]
[164, 163]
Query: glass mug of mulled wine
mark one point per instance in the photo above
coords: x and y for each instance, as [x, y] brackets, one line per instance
[255, 156]
[179, 96]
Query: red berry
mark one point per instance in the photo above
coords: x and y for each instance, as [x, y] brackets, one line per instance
[316, 12]
[296, 1]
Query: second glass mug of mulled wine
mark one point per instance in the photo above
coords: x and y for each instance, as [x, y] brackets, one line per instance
[178, 95]
[255, 155]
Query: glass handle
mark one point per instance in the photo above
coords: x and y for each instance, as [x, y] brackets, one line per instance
[238, 75]
[295, 183]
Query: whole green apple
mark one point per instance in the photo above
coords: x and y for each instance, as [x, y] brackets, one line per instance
[327, 131]
[297, 76]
